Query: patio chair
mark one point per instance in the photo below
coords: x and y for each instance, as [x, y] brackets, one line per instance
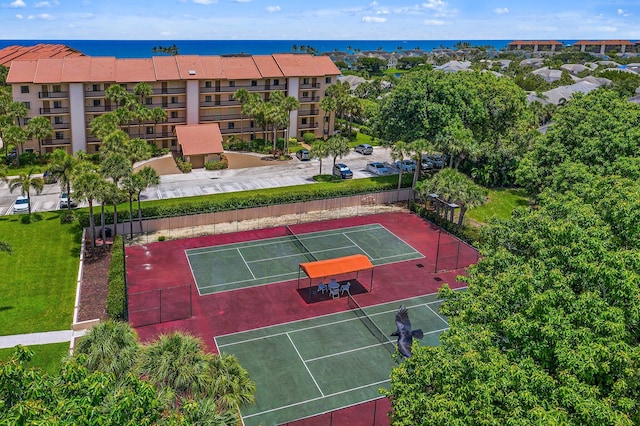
[322, 288]
[334, 292]
[345, 287]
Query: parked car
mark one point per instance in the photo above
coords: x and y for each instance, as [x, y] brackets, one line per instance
[406, 165]
[65, 201]
[377, 168]
[303, 155]
[21, 205]
[364, 149]
[426, 163]
[342, 171]
[49, 177]
[439, 160]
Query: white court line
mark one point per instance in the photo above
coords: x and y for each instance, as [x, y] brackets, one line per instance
[305, 365]
[245, 263]
[438, 315]
[355, 244]
[246, 281]
[315, 399]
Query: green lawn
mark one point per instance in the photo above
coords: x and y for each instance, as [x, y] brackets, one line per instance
[39, 278]
[45, 357]
[501, 203]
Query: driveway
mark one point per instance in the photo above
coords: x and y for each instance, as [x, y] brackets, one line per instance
[262, 174]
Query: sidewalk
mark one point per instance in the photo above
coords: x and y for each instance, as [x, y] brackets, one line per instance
[40, 338]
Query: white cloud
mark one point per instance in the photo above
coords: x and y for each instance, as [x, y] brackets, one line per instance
[205, 2]
[20, 17]
[623, 13]
[433, 22]
[46, 4]
[607, 29]
[376, 19]
[501, 10]
[242, 1]
[18, 3]
[42, 16]
[272, 9]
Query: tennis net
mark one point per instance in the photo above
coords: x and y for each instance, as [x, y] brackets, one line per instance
[309, 255]
[371, 326]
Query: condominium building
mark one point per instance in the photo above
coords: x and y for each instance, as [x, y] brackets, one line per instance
[191, 89]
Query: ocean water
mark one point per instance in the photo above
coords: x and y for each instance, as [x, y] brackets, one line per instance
[143, 48]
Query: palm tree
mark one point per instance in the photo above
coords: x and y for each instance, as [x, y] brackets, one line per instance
[158, 115]
[138, 150]
[148, 178]
[26, 182]
[89, 185]
[4, 173]
[115, 142]
[114, 196]
[242, 96]
[115, 166]
[417, 150]
[319, 150]
[17, 110]
[16, 136]
[399, 151]
[130, 185]
[177, 361]
[39, 128]
[328, 105]
[62, 166]
[337, 146]
[103, 125]
[110, 347]
[232, 385]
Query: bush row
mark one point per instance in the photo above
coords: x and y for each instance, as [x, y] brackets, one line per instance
[117, 290]
[463, 232]
[197, 206]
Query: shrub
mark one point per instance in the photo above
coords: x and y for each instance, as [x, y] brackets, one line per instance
[184, 166]
[162, 238]
[223, 163]
[25, 219]
[117, 289]
[308, 138]
[67, 217]
[28, 158]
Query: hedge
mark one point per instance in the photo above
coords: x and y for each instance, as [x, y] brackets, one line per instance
[117, 289]
[185, 207]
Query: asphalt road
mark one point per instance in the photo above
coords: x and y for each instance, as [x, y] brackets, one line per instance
[202, 182]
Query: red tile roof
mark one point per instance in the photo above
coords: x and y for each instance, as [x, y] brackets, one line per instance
[551, 42]
[601, 42]
[39, 51]
[198, 139]
[166, 68]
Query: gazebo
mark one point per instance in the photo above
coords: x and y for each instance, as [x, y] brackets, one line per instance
[336, 266]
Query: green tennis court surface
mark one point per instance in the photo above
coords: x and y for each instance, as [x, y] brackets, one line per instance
[313, 366]
[251, 263]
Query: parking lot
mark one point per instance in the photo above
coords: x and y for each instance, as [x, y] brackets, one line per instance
[203, 182]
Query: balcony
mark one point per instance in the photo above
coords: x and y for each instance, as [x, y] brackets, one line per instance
[98, 108]
[308, 126]
[247, 87]
[212, 104]
[158, 135]
[310, 112]
[94, 94]
[53, 111]
[170, 91]
[309, 99]
[222, 117]
[50, 142]
[58, 126]
[175, 105]
[310, 86]
[176, 119]
[53, 95]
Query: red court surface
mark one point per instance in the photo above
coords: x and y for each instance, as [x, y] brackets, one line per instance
[164, 264]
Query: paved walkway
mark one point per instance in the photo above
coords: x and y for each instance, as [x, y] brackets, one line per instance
[40, 338]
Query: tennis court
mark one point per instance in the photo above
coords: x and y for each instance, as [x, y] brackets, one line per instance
[309, 367]
[247, 264]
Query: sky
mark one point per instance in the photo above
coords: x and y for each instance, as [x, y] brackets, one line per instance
[319, 20]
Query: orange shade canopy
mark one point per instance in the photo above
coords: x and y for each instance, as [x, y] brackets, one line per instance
[337, 266]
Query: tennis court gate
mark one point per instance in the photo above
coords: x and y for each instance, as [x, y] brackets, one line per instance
[160, 305]
[374, 413]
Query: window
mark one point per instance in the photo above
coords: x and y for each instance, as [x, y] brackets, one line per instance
[174, 99]
[174, 114]
[28, 150]
[326, 119]
[254, 83]
[96, 87]
[149, 130]
[57, 120]
[232, 84]
[230, 125]
[276, 82]
[57, 104]
[174, 143]
[96, 102]
[207, 84]
[305, 81]
[251, 124]
[305, 94]
[27, 104]
[207, 98]
[25, 121]
[149, 101]
[59, 135]
[24, 89]
[56, 88]
[327, 80]
[303, 121]
[124, 86]
[230, 98]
